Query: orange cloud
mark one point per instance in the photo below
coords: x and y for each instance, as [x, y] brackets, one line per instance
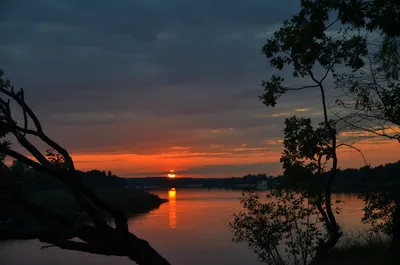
[273, 142]
[302, 110]
[376, 151]
[180, 148]
[130, 164]
[184, 158]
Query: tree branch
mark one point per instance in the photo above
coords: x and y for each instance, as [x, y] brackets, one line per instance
[300, 88]
[84, 247]
[119, 217]
[325, 75]
[355, 148]
[331, 24]
[9, 152]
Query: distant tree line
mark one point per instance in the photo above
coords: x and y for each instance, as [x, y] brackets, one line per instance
[354, 180]
[350, 180]
[39, 181]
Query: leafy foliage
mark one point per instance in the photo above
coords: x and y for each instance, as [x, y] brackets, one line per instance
[304, 144]
[382, 199]
[279, 230]
[380, 206]
[282, 228]
[374, 89]
[374, 92]
[302, 159]
[380, 15]
[303, 43]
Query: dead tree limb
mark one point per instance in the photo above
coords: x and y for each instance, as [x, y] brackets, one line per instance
[99, 238]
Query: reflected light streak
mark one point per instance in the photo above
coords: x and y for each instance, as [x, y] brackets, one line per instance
[172, 208]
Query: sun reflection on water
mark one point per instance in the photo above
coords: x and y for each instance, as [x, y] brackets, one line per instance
[172, 208]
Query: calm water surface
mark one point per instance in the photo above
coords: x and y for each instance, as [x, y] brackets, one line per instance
[192, 228]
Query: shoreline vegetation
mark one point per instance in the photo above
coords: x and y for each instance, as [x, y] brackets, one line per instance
[359, 249]
[131, 201]
[364, 248]
[350, 180]
[130, 196]
[20, 182]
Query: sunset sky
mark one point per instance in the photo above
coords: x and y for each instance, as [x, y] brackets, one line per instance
[143, 87]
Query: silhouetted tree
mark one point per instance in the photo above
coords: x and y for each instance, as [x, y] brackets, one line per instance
[375, 95]
[60, 229]
[303, 45]
[281, 228]
[375, 108]
[374, 90]
[382, 15]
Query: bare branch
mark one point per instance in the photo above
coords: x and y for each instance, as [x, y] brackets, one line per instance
[29, 162]
[52, 144]
[355, 148]
[120, 217]
[20, 102]
[325, 75]
[331, 24]
[301, 88]
[100, 238]
[377, 133]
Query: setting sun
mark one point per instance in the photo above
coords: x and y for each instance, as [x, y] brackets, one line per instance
[171, 174]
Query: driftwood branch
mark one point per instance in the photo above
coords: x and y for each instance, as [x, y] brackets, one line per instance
[99, 238]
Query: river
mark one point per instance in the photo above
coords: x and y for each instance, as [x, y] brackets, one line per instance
[192, 228]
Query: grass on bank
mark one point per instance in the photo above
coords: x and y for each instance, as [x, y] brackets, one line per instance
[360, 249]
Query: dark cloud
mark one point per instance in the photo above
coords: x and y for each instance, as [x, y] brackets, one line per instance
[134, 45]
[142, 76]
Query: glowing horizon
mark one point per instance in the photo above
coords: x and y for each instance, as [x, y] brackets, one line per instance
[213, 164]
[223, 161]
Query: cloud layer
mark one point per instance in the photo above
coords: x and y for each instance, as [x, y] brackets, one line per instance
[146, 77]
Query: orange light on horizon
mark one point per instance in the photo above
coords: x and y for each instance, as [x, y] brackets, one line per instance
[376, 153]
[171, 174]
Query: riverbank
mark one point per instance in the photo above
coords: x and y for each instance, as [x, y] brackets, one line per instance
[131, 201]
[364, 250]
